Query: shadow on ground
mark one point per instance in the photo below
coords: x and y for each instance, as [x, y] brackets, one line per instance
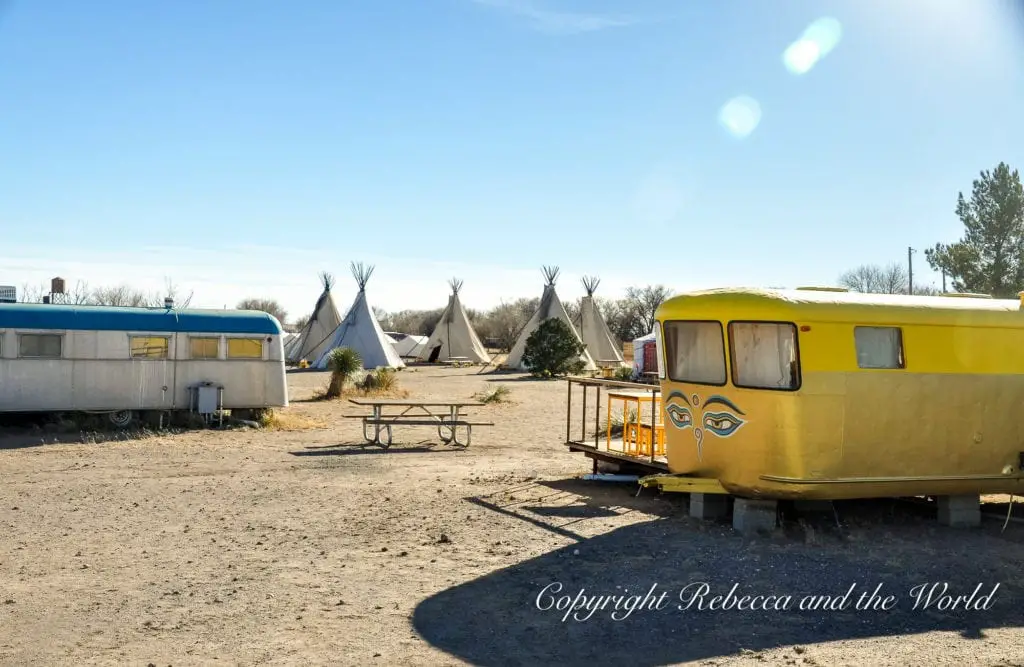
[396, 448]
[506, 376]
[508, 618]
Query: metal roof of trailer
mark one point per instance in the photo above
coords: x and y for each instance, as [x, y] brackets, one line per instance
[109, 318]
[832, 304]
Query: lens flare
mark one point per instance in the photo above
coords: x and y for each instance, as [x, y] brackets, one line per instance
[817, 41]
[801, 56]
[740, 116]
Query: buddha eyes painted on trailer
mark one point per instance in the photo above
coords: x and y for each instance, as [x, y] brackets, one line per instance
[681, 416]
[718, 416]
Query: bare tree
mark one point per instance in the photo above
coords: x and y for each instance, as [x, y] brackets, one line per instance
[32, 293]
[171, 292]
[416, 322]
[122, 295]
[877, 279]
[301, 322]
[618, 314]
[572, 309]
[267, 306]
[383, 318]
[78, 294]
[504, 322]
[644, 302]
[132, 297]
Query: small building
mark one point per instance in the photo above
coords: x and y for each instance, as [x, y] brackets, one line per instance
[645, 355]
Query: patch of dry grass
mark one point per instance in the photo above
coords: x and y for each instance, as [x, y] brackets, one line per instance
[498, 394]
[396, 392]
[290, 421]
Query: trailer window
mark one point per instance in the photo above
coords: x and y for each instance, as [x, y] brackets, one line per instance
[204, 348]
[40, 346]
[695, 352]
[879, 347]
[149, 347]
[764, 355]
[659, 350]
[245, 348]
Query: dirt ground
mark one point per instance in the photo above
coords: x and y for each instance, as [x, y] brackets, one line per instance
[301, 547]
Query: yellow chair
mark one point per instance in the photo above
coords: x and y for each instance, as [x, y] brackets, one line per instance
[644, 440]
[631, 438]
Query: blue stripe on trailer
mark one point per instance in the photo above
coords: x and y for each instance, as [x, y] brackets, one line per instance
[163, 320]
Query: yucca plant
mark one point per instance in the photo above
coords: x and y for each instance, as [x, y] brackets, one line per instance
[498, 394]
[344, 363]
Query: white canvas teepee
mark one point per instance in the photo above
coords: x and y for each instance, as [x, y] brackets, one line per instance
[310, 343]
[594, 330]
[406, 345]
[454, 334]
[550, 307]
[361, 331]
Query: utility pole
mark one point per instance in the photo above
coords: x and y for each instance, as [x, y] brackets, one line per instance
[910, 270]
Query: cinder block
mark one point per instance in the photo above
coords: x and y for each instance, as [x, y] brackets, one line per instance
[750, 516]
[960, 511]
[709, 505]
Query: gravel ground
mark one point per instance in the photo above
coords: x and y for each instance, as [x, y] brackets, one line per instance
[294, 545]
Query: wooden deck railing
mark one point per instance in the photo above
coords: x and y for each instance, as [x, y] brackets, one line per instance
[642, 389]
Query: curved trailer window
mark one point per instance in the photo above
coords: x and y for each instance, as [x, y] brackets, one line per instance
[695, 352]
[764, 355]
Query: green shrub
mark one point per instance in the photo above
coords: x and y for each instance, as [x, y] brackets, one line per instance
[344, 363]
[553, 349]
[623, 374]
[381, 379]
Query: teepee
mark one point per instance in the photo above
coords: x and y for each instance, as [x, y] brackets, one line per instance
[361, 331]
[550, 307]
[312, 340]
[454, 334]
[594, 330]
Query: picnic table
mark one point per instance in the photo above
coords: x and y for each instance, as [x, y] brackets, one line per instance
[446, 415]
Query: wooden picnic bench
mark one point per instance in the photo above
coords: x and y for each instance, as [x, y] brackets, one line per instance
[448, 417]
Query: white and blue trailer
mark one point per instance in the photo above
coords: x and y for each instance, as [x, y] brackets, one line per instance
[120, 361]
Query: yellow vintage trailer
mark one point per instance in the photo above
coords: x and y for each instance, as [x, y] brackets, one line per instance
[826, 394]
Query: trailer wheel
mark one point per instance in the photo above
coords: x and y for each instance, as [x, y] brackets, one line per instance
[121, 418]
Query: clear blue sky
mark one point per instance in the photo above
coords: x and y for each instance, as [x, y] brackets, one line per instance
[488, 137]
